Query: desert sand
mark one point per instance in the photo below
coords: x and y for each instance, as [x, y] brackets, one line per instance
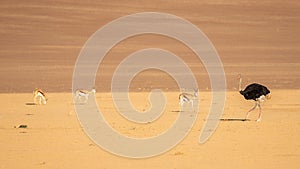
[40, 42]
[54, 138]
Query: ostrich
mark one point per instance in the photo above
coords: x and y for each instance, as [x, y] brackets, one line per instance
[256, 92]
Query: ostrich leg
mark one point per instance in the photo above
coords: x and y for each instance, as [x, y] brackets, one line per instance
[259, 116]
[251, 110]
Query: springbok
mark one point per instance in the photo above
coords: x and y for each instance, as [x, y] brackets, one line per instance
[83, 94]
[39, 97]
[188, 98]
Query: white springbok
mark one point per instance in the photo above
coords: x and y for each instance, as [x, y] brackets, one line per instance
[188, 98]
[82, 96]
[39, 97]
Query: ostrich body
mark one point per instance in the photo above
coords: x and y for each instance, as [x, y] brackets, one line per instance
[256, 92]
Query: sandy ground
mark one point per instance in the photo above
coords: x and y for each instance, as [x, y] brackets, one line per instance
[54, 138]
[40, 42]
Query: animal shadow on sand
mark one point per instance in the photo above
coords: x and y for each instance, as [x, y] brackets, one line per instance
[30, 104]
[234, 119]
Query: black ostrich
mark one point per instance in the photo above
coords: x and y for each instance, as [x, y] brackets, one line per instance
[256, 92]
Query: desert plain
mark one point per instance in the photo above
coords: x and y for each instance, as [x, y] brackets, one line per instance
[40, 42]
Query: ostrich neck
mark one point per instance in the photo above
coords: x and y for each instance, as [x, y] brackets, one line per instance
[240, 84]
